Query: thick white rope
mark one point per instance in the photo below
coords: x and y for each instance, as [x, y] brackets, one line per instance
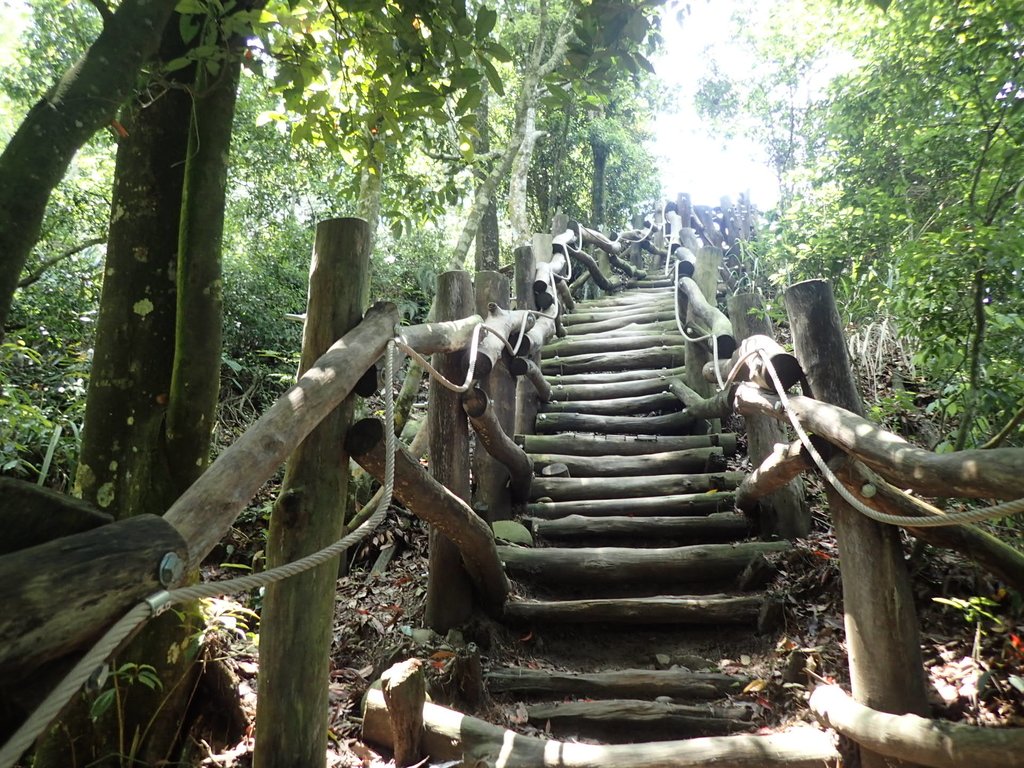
[962, 517]
[158, 602]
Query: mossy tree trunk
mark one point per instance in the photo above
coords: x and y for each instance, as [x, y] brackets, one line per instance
[85, 99]
[154, 386]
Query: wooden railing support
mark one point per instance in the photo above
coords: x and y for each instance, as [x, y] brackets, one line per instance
[298, 613]
[784, 512]
[449, 600]
[526, 395]
[516, 466]
[882, 635]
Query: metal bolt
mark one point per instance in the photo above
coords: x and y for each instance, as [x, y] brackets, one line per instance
[172, 568]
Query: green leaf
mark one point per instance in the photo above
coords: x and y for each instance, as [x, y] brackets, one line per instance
[102, 704]
[188, 28]
[498, 52]
[485, 21]
[494, 78]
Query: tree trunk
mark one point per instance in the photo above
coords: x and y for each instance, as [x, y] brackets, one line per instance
[886, 668]
[599, 150]
[298, 614]
[521, 230]
[85, 99]
[449, 591]
[488, 245]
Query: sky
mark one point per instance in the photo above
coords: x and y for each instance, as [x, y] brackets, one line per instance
[692, 159]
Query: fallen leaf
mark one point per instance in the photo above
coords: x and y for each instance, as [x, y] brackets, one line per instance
[755, 685]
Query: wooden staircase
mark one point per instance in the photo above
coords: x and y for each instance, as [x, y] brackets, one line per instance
[639, 536]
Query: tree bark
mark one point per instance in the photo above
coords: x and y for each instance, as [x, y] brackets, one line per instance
[682, 530]
[83, 101]
[664, 463]
[498, 445]
[622, 445]
[629, 720]
[298, 614]
[488, 245]
[667, 424]
[703, 610]
[886, 668]
[449, 601]
[34, 515]
[626, 682]
[669, 504]
[404, 688]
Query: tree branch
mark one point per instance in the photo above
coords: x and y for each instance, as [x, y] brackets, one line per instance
[53, 261]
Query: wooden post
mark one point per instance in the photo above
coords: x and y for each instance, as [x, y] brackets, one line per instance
[405, 691]
[491, 476]
[526, 395]
[298, 614]
[697, 354]
[784, 513]
[886, 669]
[449, 590]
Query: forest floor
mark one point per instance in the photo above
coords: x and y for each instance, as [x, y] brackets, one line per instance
[972, 636]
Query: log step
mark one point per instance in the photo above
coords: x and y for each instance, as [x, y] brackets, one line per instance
[701, 610]
[636, 388]
[622, 445]
[620, 565]
[571, 346]
[623, 720]
[668, 317]
[632, 310]
[617, 406]
[709, 459]
[656, 357]
[625, 683]
[578, 488]
[714, 528]
[677, 505]
[679, 423]
[613, 377]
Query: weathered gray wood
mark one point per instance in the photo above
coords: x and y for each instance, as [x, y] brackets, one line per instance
[574, 489]
[643, 309]
[718, 406]
[526, 393]
[616, 376]
[603, 344]
[784, 512]
[33, 515]
[618, 406]
[505, 324]
[619, 565]
[623, 445]
[605, 283]
[711, 529]
[655, 357]
[783, 464]
[883, 645]
[451, 735]
[59, 596]
[705, 318]
[682, 504]
[622, 682]
[526, 367]
[448, 336]
[637, 388]
[630, 299]
[664, 463]
[491, 492]
[405, 691]
[667, 424]
[627, 719]
[298, 614]
[498, 445]
[205, 512]
[617, 322]
[434, 503]
[706, 609]
[915, 740]
[996, 473]
[449, 600]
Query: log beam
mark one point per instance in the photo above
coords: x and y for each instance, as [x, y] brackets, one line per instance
[434, 503]
[681, 504]
[525, 366]
[500, 446]
[675, 683]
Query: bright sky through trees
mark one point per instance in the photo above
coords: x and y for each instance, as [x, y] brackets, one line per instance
[694, 160]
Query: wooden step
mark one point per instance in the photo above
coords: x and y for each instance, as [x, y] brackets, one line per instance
[600, 314]
[656, 357]
[608, 377]
[619, 565]
[677, 505]
[713, 528]
[615, 323]
[637, 388]
[617, 406]
[651, 683]
[578, 488]
[588, 345]
[622, 445]
[621, 720]
[628, 297]
[699, 610]
[665, 463]
[680, 423]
